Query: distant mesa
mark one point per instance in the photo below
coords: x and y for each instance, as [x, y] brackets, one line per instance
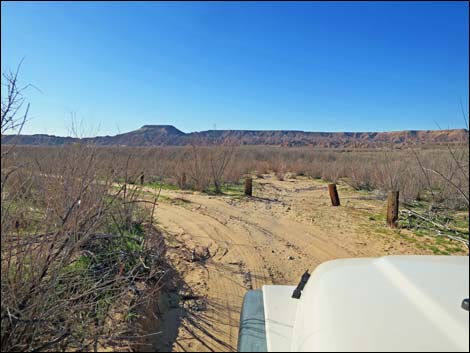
[167, 129]
[168, 135]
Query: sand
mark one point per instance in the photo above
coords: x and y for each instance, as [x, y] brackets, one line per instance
[222, 246]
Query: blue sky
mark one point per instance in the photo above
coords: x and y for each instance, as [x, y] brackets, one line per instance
[320, 66]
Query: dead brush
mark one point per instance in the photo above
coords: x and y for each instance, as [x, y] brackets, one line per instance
[71, 265]
[65, 275]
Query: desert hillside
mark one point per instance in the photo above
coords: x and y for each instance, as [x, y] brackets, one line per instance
[167, 135]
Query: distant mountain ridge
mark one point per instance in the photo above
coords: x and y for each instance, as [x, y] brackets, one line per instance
[168, 135]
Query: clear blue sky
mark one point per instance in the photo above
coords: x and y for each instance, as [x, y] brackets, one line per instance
[267, 65]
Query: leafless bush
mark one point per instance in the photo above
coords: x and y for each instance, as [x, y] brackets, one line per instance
[75, 257]
[201, 166]
[72, 247]
[199, 171]
[219, 159]
[181, 176]
[13, 112]
[447, 177]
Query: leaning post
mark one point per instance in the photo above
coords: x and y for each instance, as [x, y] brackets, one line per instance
[333, 194]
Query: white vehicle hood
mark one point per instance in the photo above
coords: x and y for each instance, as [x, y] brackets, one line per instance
[396, 303]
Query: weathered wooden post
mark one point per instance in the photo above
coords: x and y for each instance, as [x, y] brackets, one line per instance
[249, 186]
[333, 194]
[392, 208]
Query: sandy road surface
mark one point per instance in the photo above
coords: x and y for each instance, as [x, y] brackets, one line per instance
[222, 246]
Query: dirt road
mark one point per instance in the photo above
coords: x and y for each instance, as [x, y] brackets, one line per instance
[222, 246]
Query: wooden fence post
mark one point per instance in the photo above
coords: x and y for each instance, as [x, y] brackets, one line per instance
[333, 194]
[249, 186]
[392, 208]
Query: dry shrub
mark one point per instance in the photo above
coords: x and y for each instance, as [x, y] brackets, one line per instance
[219, 159]
[199, 168]
[73, 245]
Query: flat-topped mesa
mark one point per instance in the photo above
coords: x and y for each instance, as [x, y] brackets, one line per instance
[166, 129]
